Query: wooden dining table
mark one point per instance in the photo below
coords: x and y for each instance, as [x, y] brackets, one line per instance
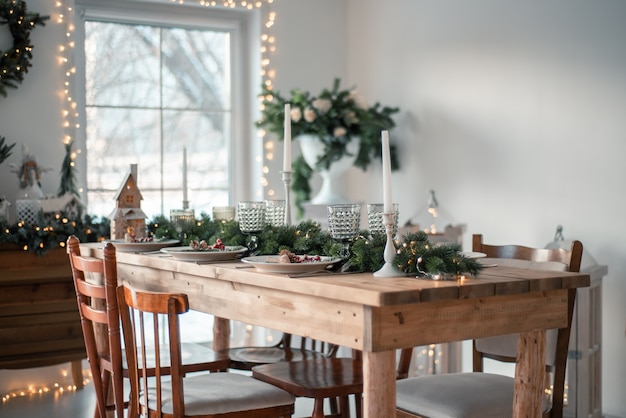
[372, 314]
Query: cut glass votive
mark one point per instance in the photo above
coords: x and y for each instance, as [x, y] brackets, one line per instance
[275, 212]
[344, 221]
[251, 216]
[223, 213]
[375, 218]
[182, 218]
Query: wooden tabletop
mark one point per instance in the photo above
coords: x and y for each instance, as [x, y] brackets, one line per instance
[214, 287]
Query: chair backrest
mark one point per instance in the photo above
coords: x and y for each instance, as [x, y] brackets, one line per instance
[307, 343]
[142, 313]
[95, 282]
[504, 348]
[554, 258]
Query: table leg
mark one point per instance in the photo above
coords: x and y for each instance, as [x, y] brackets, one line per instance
[221, 333]
[379, 384]
[530, 372]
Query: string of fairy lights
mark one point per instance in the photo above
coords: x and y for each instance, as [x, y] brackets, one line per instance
[428, 359]
[70, 117]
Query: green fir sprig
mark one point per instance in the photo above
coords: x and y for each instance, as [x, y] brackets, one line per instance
[416, 255]
[5, 149]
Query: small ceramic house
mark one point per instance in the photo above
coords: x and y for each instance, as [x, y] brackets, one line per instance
[68, 203]
[128, 216]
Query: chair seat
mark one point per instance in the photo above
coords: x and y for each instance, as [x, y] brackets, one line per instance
[457, 395]
[245, 358]
[317, 378]
[221, 393]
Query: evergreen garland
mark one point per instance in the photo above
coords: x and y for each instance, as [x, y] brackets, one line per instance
[14, 62]
[53, 233]
[415, 255]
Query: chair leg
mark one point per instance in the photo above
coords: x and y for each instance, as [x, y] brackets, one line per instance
[101, 391]
[334, 409]
[318, 408]
[344, 406]
[358, 404]
[77, 374]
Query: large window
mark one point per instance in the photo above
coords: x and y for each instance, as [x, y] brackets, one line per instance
[161, 77]
[156, 84]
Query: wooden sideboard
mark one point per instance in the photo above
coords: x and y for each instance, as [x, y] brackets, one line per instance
[39, 320]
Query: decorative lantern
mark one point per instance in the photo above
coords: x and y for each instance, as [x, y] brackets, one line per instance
[436, 222]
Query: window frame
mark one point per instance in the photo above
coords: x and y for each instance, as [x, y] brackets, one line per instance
[244, 27]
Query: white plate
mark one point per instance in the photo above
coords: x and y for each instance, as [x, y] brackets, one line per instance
[471, 254]
[270, 264]
[140, 247]
[189, 254]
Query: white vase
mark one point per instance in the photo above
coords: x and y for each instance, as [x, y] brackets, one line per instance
[331, 191]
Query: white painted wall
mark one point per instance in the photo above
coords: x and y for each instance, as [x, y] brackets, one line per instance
[512, 112]
[31, 115]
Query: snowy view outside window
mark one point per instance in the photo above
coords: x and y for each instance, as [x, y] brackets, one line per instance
[150, 91]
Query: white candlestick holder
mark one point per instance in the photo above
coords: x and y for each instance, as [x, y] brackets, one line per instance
[287, 181]
[389, 254]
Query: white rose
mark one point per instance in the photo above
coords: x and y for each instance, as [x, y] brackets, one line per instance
[339, 131]
[296, 114]
[358, 100]
[322, 105]
[309, 114]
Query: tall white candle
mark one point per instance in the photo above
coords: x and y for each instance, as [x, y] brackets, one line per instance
[387, 201]
[185, 175]
[287, 139]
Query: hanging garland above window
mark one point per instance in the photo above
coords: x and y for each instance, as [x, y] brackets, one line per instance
[15, 61]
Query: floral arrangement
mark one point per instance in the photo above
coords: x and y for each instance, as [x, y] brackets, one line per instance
[335, 116]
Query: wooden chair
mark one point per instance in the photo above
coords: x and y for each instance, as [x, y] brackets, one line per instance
[479, 394]
[287, 349]
[95, 282]
[224, 395]
[331, 378]
[293, 349]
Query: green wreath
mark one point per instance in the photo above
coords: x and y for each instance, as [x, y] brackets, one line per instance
[14, 63]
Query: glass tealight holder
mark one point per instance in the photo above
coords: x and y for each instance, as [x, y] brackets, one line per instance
[223, 213]
[182, 219]
[375, 218]
[275, 212]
